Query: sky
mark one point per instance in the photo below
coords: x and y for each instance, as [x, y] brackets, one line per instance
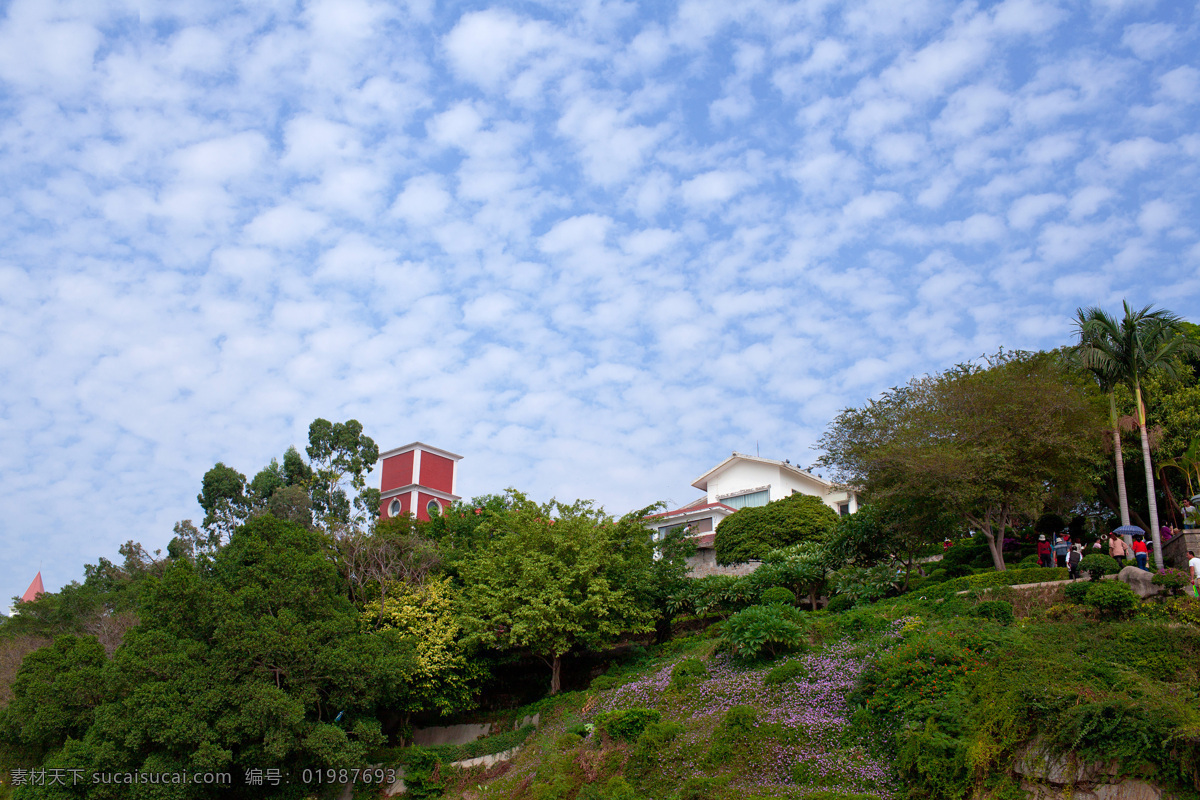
[594, 247]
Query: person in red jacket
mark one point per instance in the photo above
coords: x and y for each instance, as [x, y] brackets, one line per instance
[1140, 552]
[1045, 557]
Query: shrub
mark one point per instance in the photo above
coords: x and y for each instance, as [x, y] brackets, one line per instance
[644, 760]
[1173, 580]
[627, 725]
[686, 673]
[936, 576]
[777, 595]
[959, 571]
[751, 533]
[603, 682]
[1076, 592]
[739, 722]
[1097, 565]
[1111, 598]
[998, 610]
[785, 672]
[701, 788]
[1028, 561]
[768, 631]
[840, 602]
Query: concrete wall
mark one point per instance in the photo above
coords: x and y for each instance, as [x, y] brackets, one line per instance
[451, 734]
[1175, 551]
[704, 562]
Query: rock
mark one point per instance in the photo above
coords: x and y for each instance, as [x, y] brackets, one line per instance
[1140, 581]
[1063, 770]
[1130, 789]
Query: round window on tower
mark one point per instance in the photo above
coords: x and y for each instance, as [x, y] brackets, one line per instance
[433, 508]
[394, 509]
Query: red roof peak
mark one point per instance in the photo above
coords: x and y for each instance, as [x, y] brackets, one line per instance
[34, 589]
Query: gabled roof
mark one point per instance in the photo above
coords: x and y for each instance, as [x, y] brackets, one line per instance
[428, 448]
[701, 483]
[34, 589]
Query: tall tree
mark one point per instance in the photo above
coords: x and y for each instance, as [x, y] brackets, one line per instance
[551, 580]
[340, 454]
[1108, 378]
[1142, 342]
[990, 443]
[223, 498]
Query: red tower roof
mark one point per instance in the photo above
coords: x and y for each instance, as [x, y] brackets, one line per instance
[34, 589]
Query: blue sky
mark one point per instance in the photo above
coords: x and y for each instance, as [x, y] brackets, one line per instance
[592, 246]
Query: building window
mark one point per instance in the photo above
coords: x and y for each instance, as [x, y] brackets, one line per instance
[748, 500]
[844, 509]
[394, 508]
[433, 508]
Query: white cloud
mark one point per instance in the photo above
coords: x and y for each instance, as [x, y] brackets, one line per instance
[1149, 40]
[487, 46]
[546, 235]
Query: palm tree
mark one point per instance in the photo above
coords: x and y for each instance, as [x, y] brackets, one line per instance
[1141, 343]
[1108, 379]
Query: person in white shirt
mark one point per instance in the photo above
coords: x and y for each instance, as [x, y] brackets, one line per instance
[1194, 566]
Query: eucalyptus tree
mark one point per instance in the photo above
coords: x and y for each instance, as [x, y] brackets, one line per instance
[1143, 341]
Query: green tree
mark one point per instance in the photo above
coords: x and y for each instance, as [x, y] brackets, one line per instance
[1132, 348]
[223, 498]
[990, 444]
[751, 533]
[55, 696]
[252, 658]
[340, 456]
[550, 580]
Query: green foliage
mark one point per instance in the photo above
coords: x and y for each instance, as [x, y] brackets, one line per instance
[778, 595]
[1076, 592]
[751, 533]
[55, 696]
[1097, 565]
[1173, 580]
[240, 661]
[865, 584]
[223, 498]
[488, 745]
[341, 456]
[687, 672]
[785, 672]
[765, 631]
[983, 580]
[554, 578]
[840, 602]
[1111, 598]
[988, 444]
[626, 725]
[997, 610]
[650, 745]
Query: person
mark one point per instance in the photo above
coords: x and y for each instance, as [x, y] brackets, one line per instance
[1139, 551]
[1117, 547]
[1062, 548]
[946, 545]
[1164, 532]
[1194, 569]
[1073, 559]
[1189, 514]
[1044, 551]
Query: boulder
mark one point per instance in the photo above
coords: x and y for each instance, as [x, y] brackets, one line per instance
[1140, 581]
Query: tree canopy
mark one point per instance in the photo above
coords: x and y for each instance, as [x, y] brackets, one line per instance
[990, 443]
[553, 578]
[753, 532]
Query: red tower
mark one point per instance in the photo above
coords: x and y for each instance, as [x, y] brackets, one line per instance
[416, 479]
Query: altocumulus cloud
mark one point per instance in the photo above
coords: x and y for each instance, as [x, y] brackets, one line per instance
[594, 247]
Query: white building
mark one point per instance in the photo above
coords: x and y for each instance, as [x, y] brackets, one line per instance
[743, 481]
